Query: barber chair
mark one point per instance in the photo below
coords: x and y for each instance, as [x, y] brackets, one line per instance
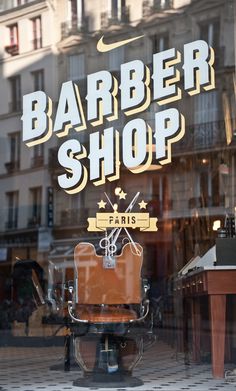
[108, 309]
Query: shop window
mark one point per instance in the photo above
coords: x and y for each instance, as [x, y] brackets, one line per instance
[15, 92]
[76, 66]
[36, 206]
[37, 32]
[13, 47]
[38, 80]
[13, 206]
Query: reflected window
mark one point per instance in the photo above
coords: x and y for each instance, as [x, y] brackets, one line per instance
[76, 11]
[15, 92]
[14, 152]
[14, 141]
[13, 47]
[13, 34]
[8, 4]
[116, 58]
[13, 206]
[38, 80]
[117, 12]
[37, 32]
[206, 107]
[36, 206]
[206, 116]
[118, 9]
[162, 4]
[76, 66]
[210, 32]
[160, 42]
[38, 155]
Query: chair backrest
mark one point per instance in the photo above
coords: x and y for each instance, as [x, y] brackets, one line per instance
[99, 285]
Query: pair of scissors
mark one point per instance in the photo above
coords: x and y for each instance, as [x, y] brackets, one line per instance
[109, 243]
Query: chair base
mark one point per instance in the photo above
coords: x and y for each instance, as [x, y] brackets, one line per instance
[108, 381]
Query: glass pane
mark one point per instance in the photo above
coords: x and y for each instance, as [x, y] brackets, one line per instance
[118, 195]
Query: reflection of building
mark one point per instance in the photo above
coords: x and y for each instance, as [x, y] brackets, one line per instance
[186, 195]
[28, 56]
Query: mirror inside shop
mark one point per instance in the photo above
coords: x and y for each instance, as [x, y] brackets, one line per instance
[118, 195]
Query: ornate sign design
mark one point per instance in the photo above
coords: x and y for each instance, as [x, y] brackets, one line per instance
[115, 220]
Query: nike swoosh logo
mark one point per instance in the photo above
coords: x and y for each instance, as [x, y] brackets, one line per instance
[106, 47]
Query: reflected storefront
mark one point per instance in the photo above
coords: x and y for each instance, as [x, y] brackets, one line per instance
[118, 194]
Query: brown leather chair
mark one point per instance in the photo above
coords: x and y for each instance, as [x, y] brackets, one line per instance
[108, 298]
[108, 285]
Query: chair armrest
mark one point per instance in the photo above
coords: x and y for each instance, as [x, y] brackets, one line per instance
[70, 305]
[146, 311]
[70, 311]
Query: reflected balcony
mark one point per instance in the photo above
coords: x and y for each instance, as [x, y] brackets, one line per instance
[201, 137]
[111, 18]
[37, 161]
[11, 224]
[37, 43]
[74, 27]
[149, 7]
[72, 217]
[159, 5]
[34, 221]
[206, 201]
[13, 50]
[15, 106]
[12, 166]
